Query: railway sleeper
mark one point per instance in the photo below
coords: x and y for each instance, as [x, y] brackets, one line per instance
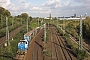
[54, 58]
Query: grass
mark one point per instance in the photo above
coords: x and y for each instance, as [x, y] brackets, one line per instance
[48, 53]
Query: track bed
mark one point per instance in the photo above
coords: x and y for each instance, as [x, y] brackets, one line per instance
[55, 45]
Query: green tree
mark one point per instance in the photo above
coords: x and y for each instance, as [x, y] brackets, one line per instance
[86, 27]
[24, 15]
[30, 18]
[1, 10]
[4, 12]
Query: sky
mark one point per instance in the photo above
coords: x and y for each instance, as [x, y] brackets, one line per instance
[43, 8]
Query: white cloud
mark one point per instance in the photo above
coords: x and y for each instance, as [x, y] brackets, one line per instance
[84, 2]
[22, 1]
[5, 3]
[46, 11]
[57, 3]
[54, 7]
[26, 5]
[36, 8]
[67, 3]
[53, 3]
[12, 7]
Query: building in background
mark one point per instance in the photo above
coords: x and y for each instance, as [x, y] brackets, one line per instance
[73, 16]
[50, 17]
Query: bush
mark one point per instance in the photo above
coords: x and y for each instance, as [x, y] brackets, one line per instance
[81, 54]
[59, 30]
[7, 53]
[2, 33]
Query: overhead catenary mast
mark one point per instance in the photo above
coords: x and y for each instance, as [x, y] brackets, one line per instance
[27, 24]
[63, 26]
[57, 21]
[7, 33]
[80, 38]
[38, 22]
[21, 21]
[44, 37]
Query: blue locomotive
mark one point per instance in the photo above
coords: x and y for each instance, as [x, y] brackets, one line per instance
[22, 46]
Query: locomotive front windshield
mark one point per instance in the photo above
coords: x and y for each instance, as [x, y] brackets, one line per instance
[23, 42]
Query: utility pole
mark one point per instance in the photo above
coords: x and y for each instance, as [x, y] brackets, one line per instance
[44, 37]
[80, 38]
[21, 21]
[7, 33]
[41, 21]
[27, 24]
[57, 21]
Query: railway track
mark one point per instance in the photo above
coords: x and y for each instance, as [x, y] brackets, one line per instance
[33, 53]
[12, 33]
[51, 46]
[20, 57]
[84, 46]
[37, 51]
[53, 56]
[56, 45]
[65, 49]
[61, 52]
[2, 40]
